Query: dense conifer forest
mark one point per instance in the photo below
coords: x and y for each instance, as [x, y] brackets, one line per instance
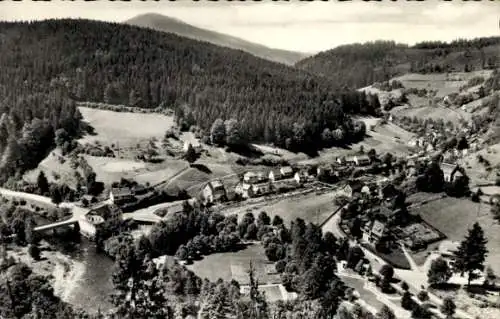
[358, 65]
[120, 64]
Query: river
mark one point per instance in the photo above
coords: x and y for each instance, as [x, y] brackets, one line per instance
[82, 275]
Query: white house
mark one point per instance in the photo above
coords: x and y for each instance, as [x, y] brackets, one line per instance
[120, 195]
[275, 175]
[302, 177]
[196, 145]
[214, 191]
[362, 160]
[286, 172]
[252, 178]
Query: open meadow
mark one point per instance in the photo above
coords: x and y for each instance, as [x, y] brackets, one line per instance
[310, 207]
[235, 265]
[454, 115]
[453, 217]
[384, 138]
[125, 128]
[444, 83]
[56, 168]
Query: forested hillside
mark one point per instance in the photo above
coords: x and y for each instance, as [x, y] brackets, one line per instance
[33, 120]
[116, 63]
[359, 65]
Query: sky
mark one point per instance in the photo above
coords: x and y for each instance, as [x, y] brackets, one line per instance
[297, 26]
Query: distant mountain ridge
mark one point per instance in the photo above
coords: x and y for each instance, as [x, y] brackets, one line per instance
[167, 24]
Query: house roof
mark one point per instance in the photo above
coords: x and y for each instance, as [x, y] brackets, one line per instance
[363, 158]
[249, 174]
[121, 191]
[286, 170]
[275, 171]
[356, 185]
[378, 228]
[216, 184]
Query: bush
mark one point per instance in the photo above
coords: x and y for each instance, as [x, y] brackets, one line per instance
[280, 266]
[423, 296]
[34, 252]
[406, 301]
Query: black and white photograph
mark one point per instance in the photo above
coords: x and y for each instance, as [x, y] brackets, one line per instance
[249, 159]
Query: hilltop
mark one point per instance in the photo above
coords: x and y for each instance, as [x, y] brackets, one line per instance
[358, 65]
[167, 24]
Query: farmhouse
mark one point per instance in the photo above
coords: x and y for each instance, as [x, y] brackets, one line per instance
[286, 172]
[351, 188]
[361, 160]
[253, 178]
[195, 144]
[275, 175]
[324, 170]
[214, 191]
[97, 215]
[121, 195]
[302, 177]
[261, 189]
[244, 190]
[374, 231]
[451, 172]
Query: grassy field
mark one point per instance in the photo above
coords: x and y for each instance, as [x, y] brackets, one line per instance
[310, 207]
[235, 266]
[454, 217]
[124, 128]
[443, 82]
[383, 138]
[55, 171]
[368, 296]
[433, 112]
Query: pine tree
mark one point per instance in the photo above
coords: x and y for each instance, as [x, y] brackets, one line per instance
[406, 301]
[448, 307]
[258, 308]
[190, 155]
[42, 183]
[218, 132]
[471, 253]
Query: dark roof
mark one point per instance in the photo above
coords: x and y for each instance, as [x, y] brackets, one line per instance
[121, 192]
[356, 185]
[275, 171]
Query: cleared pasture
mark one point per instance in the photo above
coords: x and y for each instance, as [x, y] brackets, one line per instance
[455, 115]
[235, 265]
[55, 170]
[310, 207]
[383, 138]
[125, 128]
[454, 217]
[444, 83]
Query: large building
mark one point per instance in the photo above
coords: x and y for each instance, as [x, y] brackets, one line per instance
[214, 191]
[120, 195]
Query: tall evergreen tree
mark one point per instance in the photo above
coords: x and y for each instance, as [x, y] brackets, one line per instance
[471, 254]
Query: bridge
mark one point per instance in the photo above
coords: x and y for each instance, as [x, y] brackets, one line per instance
[55, 225]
